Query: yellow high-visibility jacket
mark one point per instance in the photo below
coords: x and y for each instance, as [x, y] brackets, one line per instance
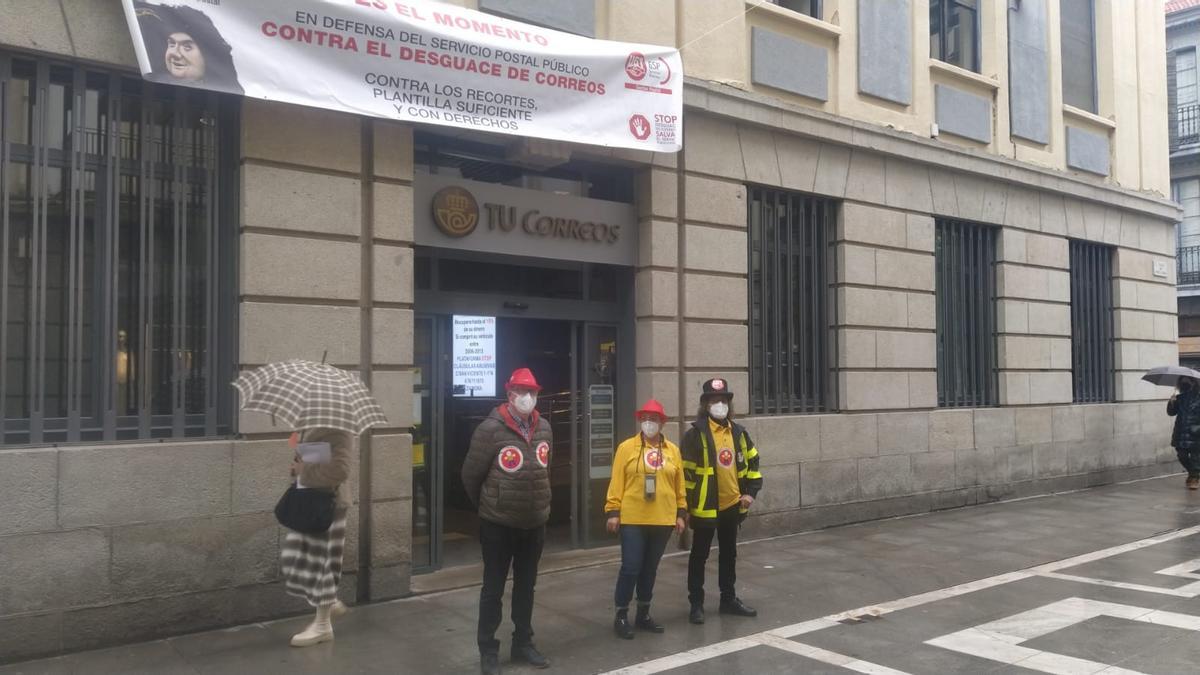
[627, 487]
[699, 470]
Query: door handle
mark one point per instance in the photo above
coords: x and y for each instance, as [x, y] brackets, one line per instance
[508, 304]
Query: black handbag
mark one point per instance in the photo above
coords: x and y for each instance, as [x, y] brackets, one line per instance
[305, 510]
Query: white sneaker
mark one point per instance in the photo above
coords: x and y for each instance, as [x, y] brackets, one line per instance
[315, 634]
[339, 609]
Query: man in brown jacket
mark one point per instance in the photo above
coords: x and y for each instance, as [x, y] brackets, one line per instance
[505, 474]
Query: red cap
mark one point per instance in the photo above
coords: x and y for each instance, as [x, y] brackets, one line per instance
[651, 406]
[522, 377]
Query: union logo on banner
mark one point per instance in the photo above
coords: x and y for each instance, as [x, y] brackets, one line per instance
[725, 457]
[543, 454]
[510, 458]
[639, 126]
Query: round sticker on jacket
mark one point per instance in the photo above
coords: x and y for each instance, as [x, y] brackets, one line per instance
[654, 458]
[725, 457]
[510, 458]
[543, 454]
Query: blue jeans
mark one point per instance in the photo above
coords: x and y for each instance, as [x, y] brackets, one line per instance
[642, 547]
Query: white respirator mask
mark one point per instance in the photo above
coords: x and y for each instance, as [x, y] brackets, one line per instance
[719, 410]
[650, 428]
[524, 403]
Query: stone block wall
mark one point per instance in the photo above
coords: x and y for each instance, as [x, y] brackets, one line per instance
[889, 450]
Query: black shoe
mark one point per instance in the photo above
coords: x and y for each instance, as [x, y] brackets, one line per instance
[696, 616]
[736, 608]
[489, 664]
[645, 622]
[529, 654]
[621, 625]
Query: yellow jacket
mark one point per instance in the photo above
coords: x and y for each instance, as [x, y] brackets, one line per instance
[627, 487]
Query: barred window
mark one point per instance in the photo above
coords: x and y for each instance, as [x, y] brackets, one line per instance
[1091, 322]
[966, 314]
[791, 302]
[114, 270]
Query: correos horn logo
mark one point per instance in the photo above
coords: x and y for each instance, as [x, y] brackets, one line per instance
[455, 211]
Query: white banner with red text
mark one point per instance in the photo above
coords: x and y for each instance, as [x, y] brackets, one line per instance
[417, 61]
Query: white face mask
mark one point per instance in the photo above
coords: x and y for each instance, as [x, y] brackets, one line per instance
[650, 428]
[718, 410]
[524, 403]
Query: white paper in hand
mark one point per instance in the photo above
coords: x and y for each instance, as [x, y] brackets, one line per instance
[313, 453]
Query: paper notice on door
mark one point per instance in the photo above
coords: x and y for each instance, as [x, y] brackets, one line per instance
[313, 453]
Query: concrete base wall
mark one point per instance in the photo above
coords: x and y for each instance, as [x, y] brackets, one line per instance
[827, 470]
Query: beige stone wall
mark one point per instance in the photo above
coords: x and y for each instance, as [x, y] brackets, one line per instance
[326, 269]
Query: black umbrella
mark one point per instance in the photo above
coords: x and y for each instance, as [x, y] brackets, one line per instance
[1168, 376]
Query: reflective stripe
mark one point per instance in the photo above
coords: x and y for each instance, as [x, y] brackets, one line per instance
[706, 471]
[689, 465]
[751, 453]
[704, 513]
[753, 475]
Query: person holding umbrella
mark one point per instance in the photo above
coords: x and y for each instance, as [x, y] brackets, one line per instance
[326, 405]
[722, 478]
[1184, 406]
[646, 502]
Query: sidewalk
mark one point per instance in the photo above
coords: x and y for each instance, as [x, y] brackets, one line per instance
[794, 581]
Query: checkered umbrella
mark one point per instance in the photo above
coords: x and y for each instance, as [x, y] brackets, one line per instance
[307, 395]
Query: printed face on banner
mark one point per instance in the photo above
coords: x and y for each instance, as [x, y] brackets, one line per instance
[418, 61]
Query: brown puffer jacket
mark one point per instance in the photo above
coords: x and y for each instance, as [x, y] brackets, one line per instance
[507, 477]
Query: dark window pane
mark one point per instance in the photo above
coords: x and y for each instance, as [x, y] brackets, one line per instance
[953, 32]
[965, 305]
[791, 311]
[1091, 323]
[1078, 54]
[809, 7]
[486, 277]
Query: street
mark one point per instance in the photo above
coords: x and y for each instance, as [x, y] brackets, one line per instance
[1102, 580]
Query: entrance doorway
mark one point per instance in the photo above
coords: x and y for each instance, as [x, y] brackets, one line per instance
[581, 354]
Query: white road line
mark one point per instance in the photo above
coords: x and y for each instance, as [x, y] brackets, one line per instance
[1188, 591]
[737, 644]
[826, 656]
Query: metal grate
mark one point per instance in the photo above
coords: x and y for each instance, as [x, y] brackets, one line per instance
[1091, 322]
[966, 314]
[1187, 126]
[1187, 264]
[791, 315]
[113, 270]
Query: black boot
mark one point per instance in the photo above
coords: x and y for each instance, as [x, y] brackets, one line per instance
[644, 622]
[621, 625]
[489, 664]
[529, 654]
[696, 616]
[737, 608]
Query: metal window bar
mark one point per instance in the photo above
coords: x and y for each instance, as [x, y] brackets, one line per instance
[1092, 358]
[94, 167]
[790, 239]
[1187, 265]
[1187, 126]
[966, 314]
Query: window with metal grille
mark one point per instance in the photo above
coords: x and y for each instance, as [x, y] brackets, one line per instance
[966, 314]
[1091, 322]
[117, 281]
[791, 304]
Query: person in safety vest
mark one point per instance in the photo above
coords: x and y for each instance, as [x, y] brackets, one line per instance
[506, 475]
[720, 469]
[646, 502]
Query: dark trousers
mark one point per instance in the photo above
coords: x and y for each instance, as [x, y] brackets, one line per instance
[726, 532]
[505, 547]
[642, 548]
[1190, 459]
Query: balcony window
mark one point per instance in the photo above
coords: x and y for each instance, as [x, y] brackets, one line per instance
[807, 7]
[1187, 113]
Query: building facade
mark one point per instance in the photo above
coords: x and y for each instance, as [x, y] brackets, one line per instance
[932, 272]
[1183, 36]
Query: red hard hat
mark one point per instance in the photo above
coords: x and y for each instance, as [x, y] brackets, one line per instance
[651, 406]
[522, 377]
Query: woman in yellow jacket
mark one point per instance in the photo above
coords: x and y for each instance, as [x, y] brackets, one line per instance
[646, 500]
